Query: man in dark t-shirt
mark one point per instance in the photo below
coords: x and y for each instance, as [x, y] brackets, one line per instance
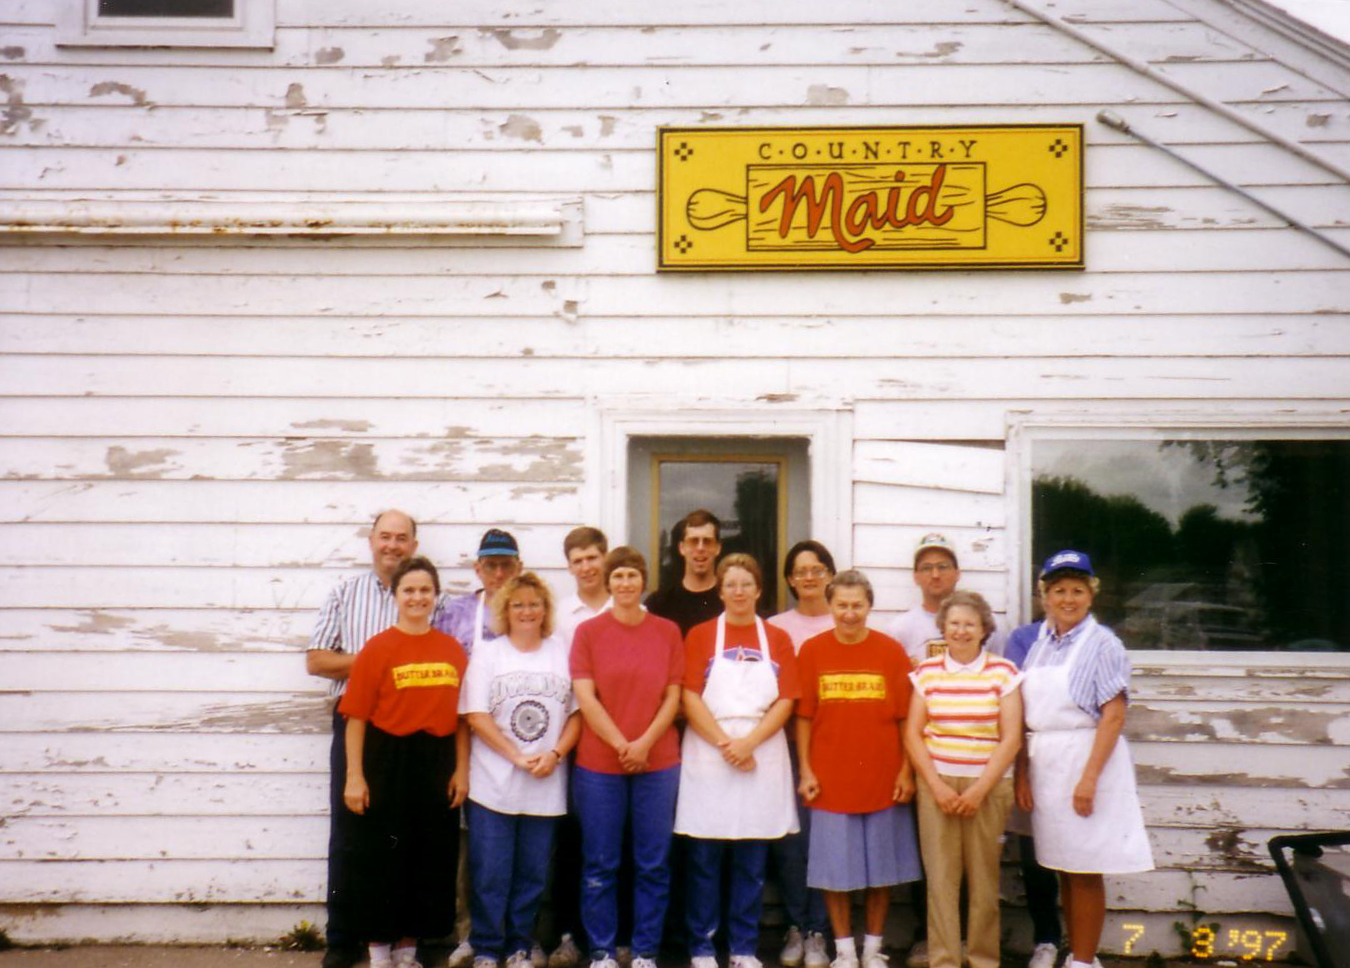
[693, 599]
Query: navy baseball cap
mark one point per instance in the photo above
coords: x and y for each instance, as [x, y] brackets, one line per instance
[1067, 561]
[497, 542]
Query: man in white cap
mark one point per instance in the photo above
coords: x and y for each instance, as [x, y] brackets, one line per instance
[936, 572]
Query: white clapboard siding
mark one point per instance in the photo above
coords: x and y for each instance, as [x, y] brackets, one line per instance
[308, 458]
[831, 337]
[1049, 379]
[168, 794]
[449, 546]
[152, 838]
[183, 586]
[102, 753]
[774, 294]
[195, 434]
[357, 502]
[97, 123]
[1158, 250]
[357, 416]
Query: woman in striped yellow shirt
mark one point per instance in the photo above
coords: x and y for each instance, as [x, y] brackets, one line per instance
[962, 735]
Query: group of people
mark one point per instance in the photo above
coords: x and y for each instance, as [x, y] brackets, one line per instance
[617, 746]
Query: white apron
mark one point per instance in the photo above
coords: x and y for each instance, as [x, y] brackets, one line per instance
[1110, 841]
[717, 801]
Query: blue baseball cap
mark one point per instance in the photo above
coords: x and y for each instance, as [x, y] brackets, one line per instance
[1067, 560]
[497, 542]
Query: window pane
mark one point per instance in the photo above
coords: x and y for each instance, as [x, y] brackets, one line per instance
[166, 8]
[743, 495]
[1210, 544]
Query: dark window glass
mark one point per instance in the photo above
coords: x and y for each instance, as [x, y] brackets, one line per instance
[166, 8]
[1205, 544]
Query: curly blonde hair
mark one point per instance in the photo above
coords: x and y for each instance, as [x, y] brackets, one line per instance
[501, 602]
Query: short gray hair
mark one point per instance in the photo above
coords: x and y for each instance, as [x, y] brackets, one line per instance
[852, 578]
[970, 600]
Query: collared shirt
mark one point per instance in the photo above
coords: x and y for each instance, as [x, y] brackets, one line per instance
[355, 611]
[571, 612]
[962, 703]
[1100, 673]
[458, 617]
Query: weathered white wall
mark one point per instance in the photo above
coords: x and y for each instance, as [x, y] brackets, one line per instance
[194, 434]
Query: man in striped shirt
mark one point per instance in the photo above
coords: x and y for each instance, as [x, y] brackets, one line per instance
[357, 609]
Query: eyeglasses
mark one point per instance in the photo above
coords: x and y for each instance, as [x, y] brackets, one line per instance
[817, 572]
[526, 606]
[938, 567]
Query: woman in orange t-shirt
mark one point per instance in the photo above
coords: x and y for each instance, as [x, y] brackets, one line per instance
[854, 773]
[407, 773]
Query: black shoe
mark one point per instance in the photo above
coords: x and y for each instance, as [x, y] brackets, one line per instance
[341, 957]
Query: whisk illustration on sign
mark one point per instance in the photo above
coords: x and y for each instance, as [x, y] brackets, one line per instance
[859, 207]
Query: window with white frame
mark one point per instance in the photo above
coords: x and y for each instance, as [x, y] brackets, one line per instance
[1203, 539]
[167, 23]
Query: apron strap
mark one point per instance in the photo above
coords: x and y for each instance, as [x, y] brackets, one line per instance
[722, 637]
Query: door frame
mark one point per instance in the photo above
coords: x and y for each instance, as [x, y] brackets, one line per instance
[829, 436]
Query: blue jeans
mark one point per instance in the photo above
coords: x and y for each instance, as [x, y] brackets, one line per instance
[805, 905]
[703, 900]
[606, 802]
[508, 868]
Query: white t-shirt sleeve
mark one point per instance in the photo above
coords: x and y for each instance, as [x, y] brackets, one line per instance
[473, 698]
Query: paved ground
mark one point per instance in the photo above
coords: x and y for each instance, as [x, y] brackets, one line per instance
[137, 956]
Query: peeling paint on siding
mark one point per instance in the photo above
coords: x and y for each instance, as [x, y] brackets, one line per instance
[350, 426]
[137, 96]
[12, 53]
[523, 127]
[294, 714]
[511, 41]
[825, 96]
[442, 49]
[329, 459]
[96, 623]
[295, 96]
[1270, 724]
[1318, 120]
[1074, 297]
[16, 112]
[329, 55]
[145, 464]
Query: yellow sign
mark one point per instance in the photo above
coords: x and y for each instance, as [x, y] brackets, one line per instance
[416, 674]
[852, 685]
[988, 196]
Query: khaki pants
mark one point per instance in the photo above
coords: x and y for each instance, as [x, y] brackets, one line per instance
[953, 846]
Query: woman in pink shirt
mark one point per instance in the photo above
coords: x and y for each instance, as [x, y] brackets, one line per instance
[627, 666]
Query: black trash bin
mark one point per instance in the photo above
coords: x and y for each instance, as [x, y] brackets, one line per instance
[1320, 892]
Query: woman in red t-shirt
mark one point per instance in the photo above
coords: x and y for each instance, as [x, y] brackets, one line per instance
[407, 773]
[627, 665]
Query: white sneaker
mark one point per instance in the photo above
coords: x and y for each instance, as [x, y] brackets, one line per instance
[815, 950]
[1044, 955]
[406, 957]
[845, 961]
[517, 959]
[918, 955]
[745, 961]
[568, 955]
[483, 961]
[703, 961]
[462, 957]
[644, 963]
[794, 949]
[876, 960]
[604, 963]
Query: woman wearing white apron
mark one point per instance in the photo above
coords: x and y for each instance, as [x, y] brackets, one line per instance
[1077, 779]
[736, 790]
